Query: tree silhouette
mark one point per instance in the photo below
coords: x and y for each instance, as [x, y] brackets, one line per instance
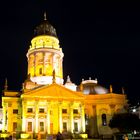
[125, 122]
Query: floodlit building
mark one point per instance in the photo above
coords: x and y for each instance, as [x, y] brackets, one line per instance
[47, 105]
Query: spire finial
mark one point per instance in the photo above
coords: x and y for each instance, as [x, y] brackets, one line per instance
[6, 84]
[45, 16]
[53, 80]
[111, 89]
[23, 86]
[81, 87]
[68, 79]
[123, 92]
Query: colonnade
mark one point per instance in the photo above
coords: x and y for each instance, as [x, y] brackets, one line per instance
[47, 117]
[55, 62]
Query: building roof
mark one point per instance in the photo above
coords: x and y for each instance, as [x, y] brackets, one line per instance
[92, 87]
[45, 28]
[54, 91]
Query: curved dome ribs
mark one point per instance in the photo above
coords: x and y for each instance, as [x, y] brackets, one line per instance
[92, 87]
[45, 28]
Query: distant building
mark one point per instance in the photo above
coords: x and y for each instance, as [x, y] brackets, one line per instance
[47, 106]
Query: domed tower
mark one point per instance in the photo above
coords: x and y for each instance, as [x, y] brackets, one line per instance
[45, 55]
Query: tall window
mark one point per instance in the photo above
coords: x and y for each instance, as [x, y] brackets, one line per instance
[64, 126]
[75, 126]
[15, 111]
[41, 126]
[86, 119]
[29, 110]
[40, 71]
[104, 122]
[14, 126]
[41, 110]
[75, 111]
[64, 111]
[29, 126]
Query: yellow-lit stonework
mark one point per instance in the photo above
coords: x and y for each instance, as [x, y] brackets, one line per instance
[45, 110]
[47, 106]
[44, 56]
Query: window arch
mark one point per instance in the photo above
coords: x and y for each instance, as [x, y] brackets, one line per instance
[104, 122]
[40, 71]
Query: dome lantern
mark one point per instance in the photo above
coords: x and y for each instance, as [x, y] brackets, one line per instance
[45, 28]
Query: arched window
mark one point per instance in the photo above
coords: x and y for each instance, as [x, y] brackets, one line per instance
[86, 119]
[104, 123]
[40, 70]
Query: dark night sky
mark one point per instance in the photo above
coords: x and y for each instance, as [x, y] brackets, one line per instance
[99, 40]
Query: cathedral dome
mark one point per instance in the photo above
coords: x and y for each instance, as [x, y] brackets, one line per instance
[45, 28]
[69, 84]
[92, 87]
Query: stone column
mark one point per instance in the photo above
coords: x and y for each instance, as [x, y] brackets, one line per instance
[44, 63]
[60, 117]
[36, 116]
[59, 64]
[29, 63]
[23, 116]
[34, 64]
[61, 67]
[82, 118]
[53, 62]
[48, 118]
[4, 124]
[94, 125]
[71, 117]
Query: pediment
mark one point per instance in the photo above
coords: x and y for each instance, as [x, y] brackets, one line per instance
[53, 91]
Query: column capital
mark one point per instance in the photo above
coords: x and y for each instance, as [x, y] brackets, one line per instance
[24, 102]
[82, 105]
[71, 104]
[112, 106]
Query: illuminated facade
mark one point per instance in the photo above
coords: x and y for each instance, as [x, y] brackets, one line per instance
[45, 55]
[47, 106]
